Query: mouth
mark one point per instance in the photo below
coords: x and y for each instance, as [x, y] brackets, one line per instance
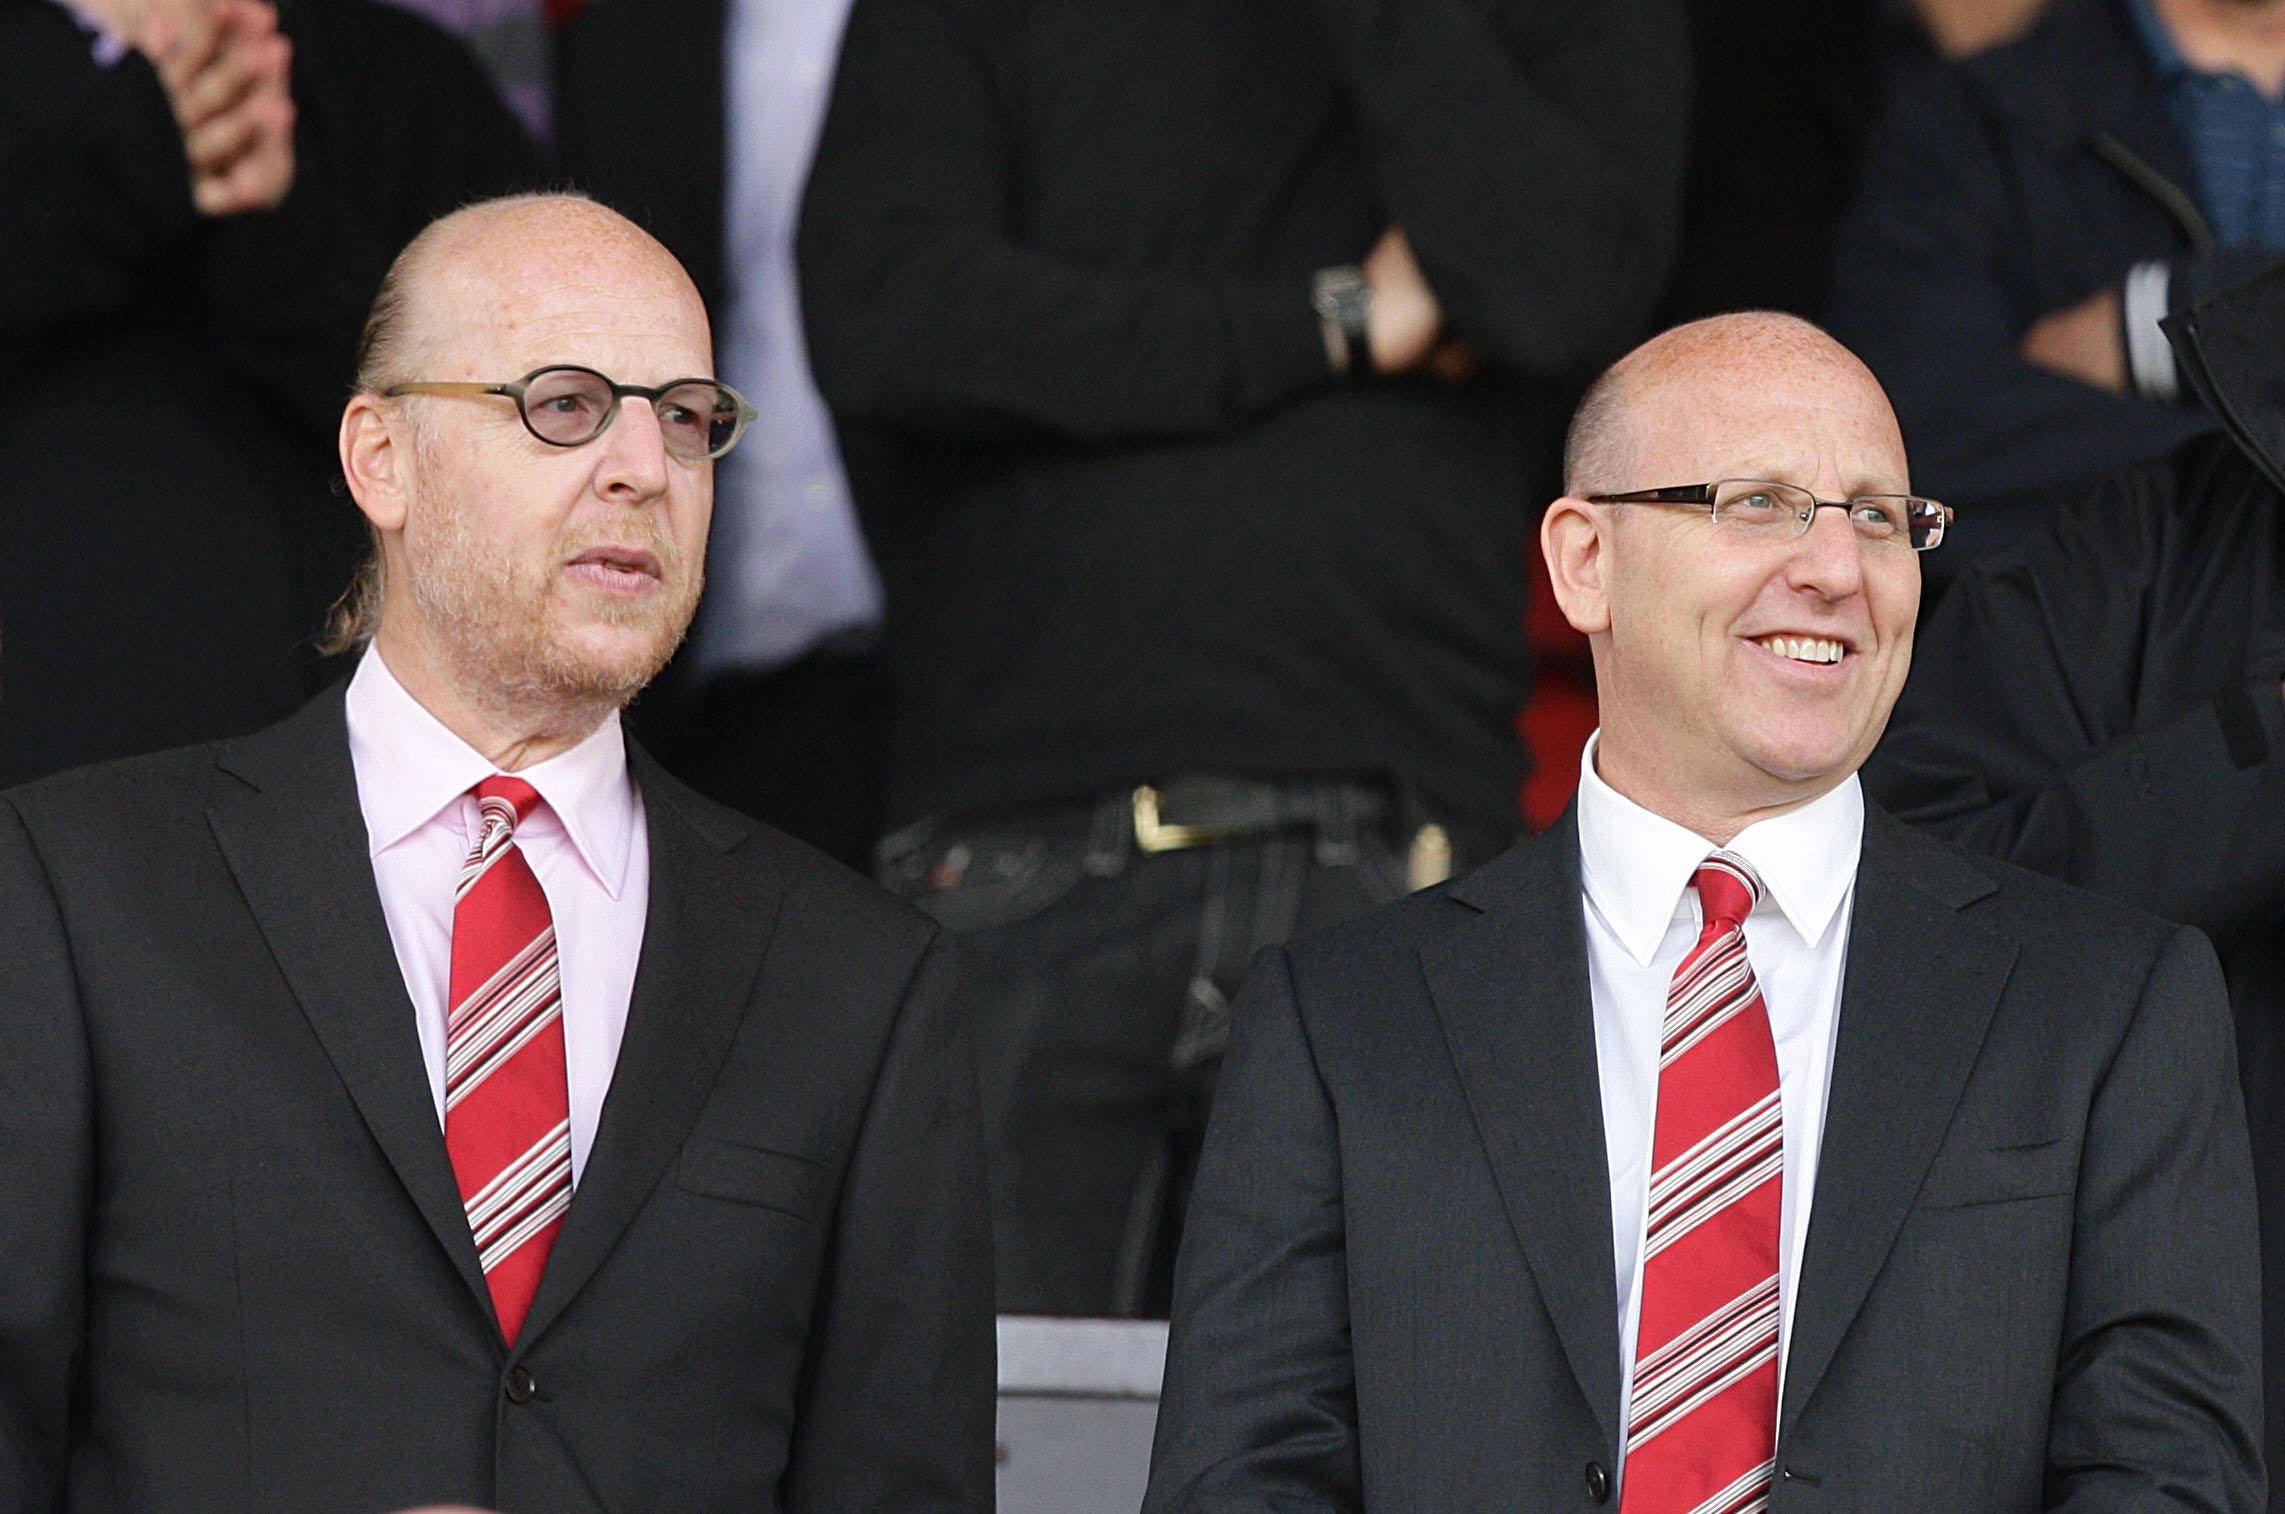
[616, 569]
[1818, 650]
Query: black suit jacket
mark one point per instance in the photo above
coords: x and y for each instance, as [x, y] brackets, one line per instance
[2029, 1281]
[234, 1271]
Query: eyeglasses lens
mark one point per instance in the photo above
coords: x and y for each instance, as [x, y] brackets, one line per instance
[1763, 507]
[698, 419]
[567, 405]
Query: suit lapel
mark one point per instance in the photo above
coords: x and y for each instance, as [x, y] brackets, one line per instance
[294, 837]
[710, 919]
[1922, 984]
[1511, 990]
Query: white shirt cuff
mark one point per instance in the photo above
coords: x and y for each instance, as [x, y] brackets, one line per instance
[2149, 357]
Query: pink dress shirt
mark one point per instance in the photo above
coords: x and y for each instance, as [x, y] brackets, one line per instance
[587, 845]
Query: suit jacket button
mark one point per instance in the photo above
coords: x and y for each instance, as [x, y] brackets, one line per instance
[521, 1387]
[1598, 1482]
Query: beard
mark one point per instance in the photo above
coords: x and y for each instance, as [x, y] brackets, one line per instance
[517, 631]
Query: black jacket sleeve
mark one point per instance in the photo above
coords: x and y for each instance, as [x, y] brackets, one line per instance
[94, 188]
[1533, 152]
[46, 1179]
[395, 125]
[2083, 704]
[1260, 1405]
[1923, 291]
[2157, 1380]
[898, 1392]
[1530, 150]
[924, 309]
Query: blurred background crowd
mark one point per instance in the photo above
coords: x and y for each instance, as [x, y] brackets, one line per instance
[1132, 563]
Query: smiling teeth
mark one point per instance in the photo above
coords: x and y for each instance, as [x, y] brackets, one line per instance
[1804, 648]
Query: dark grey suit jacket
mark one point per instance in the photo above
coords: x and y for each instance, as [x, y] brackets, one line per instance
[2030, 1279]
[234, 1271]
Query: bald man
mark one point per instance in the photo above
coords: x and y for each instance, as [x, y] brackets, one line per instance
[1727, 1147]
[427, 1100]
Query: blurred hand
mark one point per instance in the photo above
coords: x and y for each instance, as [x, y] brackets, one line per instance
[227, 72]
[1404, 321]
[2081, 342]
[130, 20]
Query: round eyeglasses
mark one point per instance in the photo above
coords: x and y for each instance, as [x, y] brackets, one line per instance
[1780, 512]
[565, 405]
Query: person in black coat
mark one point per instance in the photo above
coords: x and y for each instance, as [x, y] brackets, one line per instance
[2016, 208]
[169, 379]
[1192, 365]
[2101, 701]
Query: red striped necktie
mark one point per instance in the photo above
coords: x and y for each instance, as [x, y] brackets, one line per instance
[1702, 1422]
[507, 1103]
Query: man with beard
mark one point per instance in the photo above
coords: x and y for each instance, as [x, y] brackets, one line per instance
[428, 1100]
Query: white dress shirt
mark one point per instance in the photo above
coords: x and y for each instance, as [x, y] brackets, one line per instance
[788, 570]
[1642, 917]
[586, 844]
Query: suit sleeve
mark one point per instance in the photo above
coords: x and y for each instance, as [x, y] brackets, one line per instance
[1259, 1408]
[2158, 1382]
[1925, 290]
[2023, 732]
[924, 310]
[897, 1403]
[1508, 139]
[46, 1177]
[96, 191]
[285, 292]
[93, 184]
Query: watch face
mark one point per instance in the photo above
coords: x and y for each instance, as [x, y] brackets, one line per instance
[1340, 294]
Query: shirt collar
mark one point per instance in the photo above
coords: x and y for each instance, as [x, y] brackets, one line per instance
[411, 767]
[1636, 865]
[2158, 42]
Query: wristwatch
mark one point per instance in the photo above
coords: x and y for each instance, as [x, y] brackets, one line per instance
[1344, 300]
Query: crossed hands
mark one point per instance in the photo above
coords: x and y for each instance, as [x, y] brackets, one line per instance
[225, 68]
[1405, 322]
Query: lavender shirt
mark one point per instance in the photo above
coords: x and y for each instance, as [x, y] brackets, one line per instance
[788, 571]
[586, 844]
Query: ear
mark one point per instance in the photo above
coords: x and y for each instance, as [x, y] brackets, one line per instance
[376, 458]
[1572, 541]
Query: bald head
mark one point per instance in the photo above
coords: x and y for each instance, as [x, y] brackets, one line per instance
[481, 259]
[1602, 450]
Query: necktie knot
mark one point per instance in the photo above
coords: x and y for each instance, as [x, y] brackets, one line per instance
[1728, 888]
[506, 801]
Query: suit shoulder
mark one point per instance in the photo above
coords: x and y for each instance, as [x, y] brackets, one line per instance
[1385, 943]
[2040, 910]
[128, 793]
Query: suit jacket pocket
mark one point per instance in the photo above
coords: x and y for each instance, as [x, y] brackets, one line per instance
[2001, 1174]
[752, 1175]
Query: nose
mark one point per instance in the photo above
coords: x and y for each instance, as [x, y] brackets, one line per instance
[1828, 558]
[633, 468]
